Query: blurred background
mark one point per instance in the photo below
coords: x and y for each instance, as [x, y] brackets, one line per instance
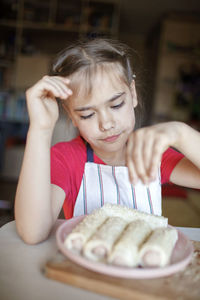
[165, 36]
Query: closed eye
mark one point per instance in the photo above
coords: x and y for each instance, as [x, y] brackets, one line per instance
[118, 105]
[86, 117]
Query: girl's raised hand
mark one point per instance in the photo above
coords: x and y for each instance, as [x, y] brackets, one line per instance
[145, 148]
[41, 101]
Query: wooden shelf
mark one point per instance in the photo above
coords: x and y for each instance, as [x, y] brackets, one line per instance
[25, 30]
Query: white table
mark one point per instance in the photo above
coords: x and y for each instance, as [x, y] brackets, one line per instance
[21, 265]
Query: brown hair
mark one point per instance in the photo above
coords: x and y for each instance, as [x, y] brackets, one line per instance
[85, 57]
[84, 54]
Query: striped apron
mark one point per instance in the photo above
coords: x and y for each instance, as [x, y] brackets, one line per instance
[110, 184]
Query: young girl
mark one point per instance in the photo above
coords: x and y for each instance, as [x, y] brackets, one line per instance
[108, 161]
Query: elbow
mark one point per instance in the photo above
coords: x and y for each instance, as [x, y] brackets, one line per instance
[31, 240]
[30, 236]
[31, 228]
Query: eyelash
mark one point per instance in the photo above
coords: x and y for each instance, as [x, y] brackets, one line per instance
[113, 107]
[118, 105]
[86, 117]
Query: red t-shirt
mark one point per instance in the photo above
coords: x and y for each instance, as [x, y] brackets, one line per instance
[67, 166]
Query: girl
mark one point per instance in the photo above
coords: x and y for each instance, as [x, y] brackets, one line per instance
[108, 161]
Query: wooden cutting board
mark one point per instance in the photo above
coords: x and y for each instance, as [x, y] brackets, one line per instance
[182, 285]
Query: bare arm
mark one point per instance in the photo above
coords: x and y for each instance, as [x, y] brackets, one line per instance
[146, 146]
[37, 202]
[187, 171]
[34, 211]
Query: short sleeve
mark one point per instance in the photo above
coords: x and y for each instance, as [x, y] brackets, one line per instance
[60, 169]
[170, 159]
[67, 167]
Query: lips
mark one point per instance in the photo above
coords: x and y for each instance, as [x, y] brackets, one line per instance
[111, 139]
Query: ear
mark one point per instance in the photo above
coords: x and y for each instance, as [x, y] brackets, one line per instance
[134, 93]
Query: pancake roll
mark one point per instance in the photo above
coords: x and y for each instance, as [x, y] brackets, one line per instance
[130, 214]
[101, 243]
[126, 250]
[84, 230]
[157, 250]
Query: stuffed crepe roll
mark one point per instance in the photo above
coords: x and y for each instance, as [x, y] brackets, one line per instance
[126, 250]
[84, 230]
[157, 250]
[130, 214]
[101, 243]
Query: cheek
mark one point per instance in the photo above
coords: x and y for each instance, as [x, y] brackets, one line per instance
[128, 117]
[87, 130]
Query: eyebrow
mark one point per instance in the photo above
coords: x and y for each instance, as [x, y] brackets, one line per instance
[115, 97]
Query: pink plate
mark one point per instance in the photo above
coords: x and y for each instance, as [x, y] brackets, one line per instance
[181, 257]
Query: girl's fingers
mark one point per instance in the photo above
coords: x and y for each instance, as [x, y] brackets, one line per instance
[159, 147]
[47, 89]
[65, 80]
[62, 93]
[137, 156]
[129, 162]
[132, 172]
[59, 91]
[134, 158]
[148, 152]
[60, 85]
[144, 151]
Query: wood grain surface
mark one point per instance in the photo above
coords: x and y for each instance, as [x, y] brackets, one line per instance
[182, 285]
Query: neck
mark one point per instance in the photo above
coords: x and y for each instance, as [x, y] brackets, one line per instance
[112, 158]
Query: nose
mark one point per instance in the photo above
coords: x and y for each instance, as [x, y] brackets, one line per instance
[106, 121]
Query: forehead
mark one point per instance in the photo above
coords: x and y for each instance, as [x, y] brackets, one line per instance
[99, 80]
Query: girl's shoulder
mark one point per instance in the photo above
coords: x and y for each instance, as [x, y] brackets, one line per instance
[74, 149]
[76, 144]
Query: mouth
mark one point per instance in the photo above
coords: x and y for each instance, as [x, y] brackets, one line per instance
[111, 139]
